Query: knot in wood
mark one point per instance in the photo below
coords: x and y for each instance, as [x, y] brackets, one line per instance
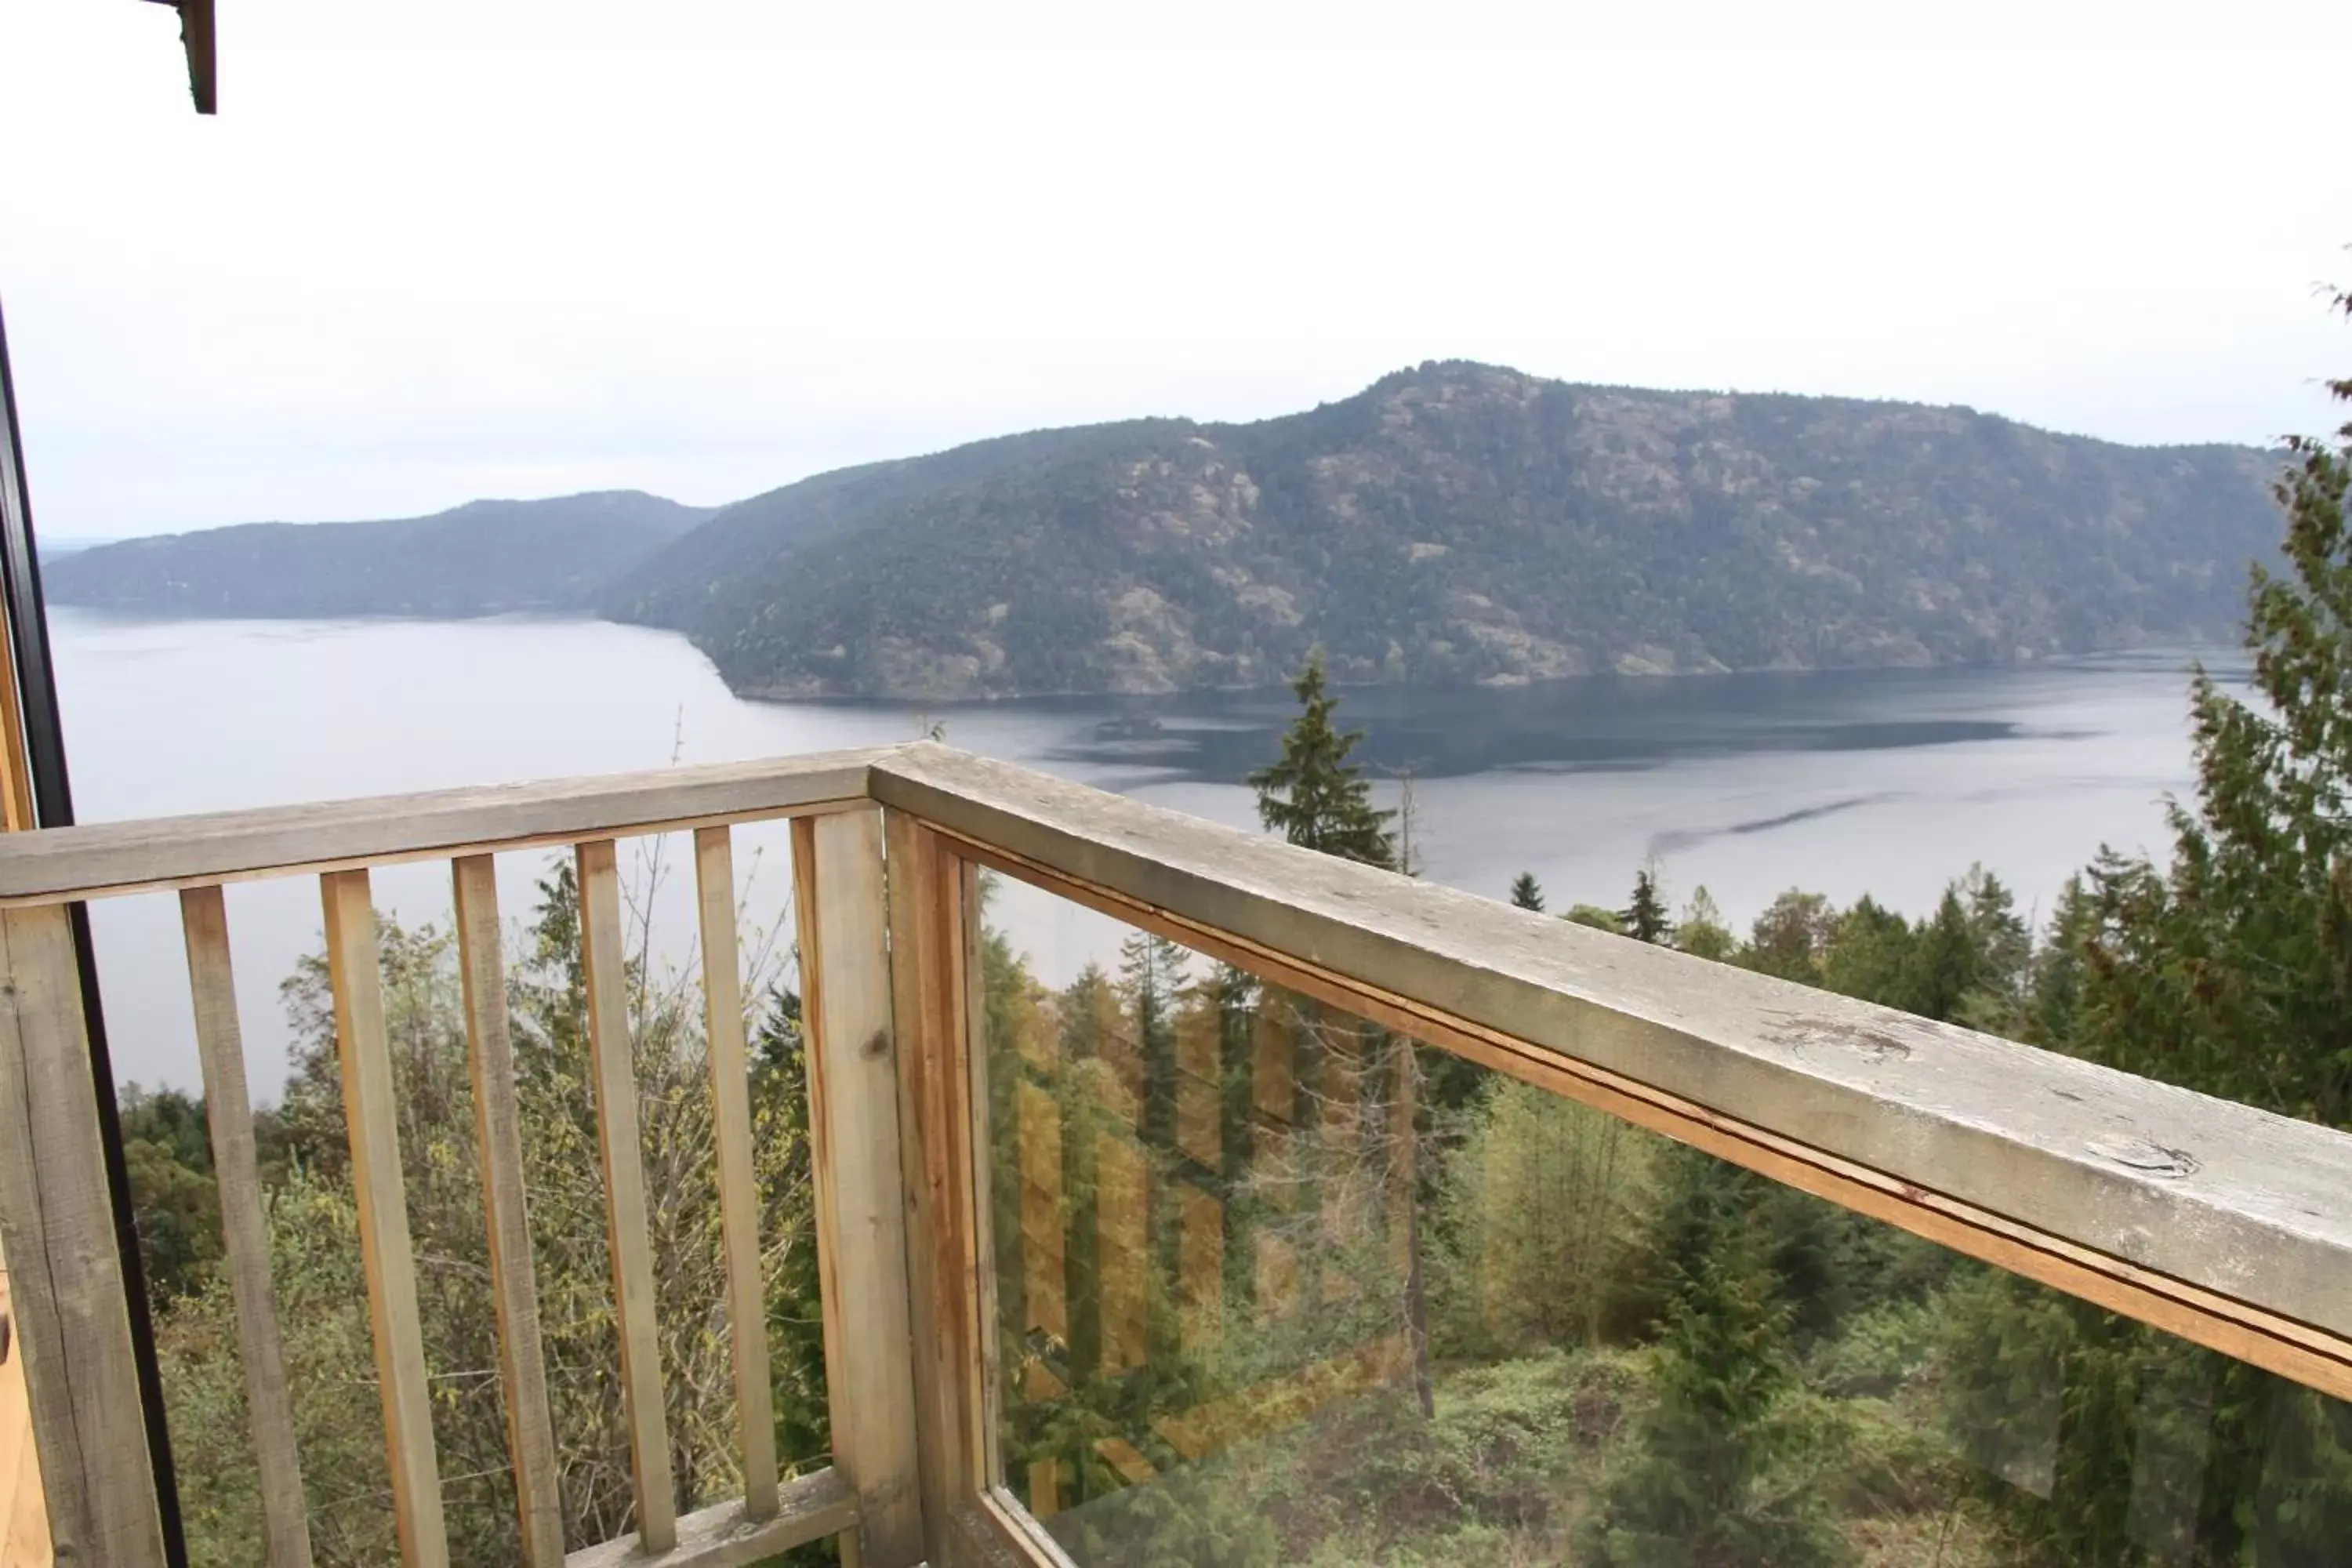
[2148, 1159]
[1804, 1032]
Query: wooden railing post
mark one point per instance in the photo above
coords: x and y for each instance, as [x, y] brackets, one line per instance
[604, 963]
[372, 1122]
[68, 1302]
[946, 1252]
[861, 1202]
[245, 1227]
[738, 1189]
[498, 1140]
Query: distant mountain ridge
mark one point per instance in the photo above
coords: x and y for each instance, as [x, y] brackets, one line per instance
[1456, 523]
[1462, 522]
[487, 557]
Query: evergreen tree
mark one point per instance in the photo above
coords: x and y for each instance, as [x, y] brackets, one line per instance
[1313, 795]
[1995, 1001]
[2054, 996]
[2230, 972]
[1702, 932]
[1947, 963]
[1089, 1019]
[1151, 976]
[1869, 955]
[167, 1153]
[1720, 1477]
[1793, 936]
[1526, 893]
[1645, 918]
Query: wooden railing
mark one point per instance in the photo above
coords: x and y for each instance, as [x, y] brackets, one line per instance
[73, 1328]
[2217, 1223]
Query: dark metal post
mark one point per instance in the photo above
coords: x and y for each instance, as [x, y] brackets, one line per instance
[44, 748]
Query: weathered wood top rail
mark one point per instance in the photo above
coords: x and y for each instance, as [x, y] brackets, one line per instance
[1996, 1134]
[105, 858]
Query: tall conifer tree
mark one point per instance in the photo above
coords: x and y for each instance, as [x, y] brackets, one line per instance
[1645, 918]
[1313, 795]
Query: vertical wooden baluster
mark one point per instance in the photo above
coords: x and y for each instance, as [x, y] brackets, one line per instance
[66, 1299]
[936, 1120]
[738, 1192]
[497, 1137]
[846, 1006]
[374, 1122]
[627, 1232]
[244, 1232]
[969, 989]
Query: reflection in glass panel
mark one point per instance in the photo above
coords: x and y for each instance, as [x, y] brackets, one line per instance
[1276, 1286]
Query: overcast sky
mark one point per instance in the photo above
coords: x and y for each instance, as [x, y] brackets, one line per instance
[438, 249]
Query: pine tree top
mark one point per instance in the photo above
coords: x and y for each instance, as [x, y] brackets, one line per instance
[1313, 795]
[1645, 918]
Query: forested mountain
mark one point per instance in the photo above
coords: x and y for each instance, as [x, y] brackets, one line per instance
[1462, 522]
[482, 558]
[1456, 523]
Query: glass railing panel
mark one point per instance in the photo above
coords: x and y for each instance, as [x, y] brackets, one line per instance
[1275, 1285]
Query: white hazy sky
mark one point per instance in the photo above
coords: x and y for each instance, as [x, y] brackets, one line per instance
[434, 250]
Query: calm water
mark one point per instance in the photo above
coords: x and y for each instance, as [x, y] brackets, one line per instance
[1889, 782]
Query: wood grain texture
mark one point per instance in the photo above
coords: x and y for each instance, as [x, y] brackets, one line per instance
[968, 993]
[739, 1190]
[498, 1143]
[71, 1318]
[2245, 1206]
[105, 858]
[626, 1230]
[809, 1508]
[372, 1121]
[861, 1202]
[935, 1119]
[244, 1229]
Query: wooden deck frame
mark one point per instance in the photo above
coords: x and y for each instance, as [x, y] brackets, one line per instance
[738, 1190]
[856, 1059]
[498, 1142]
[70, 1312]
[2016, 1156]
[244, 1230]
[629, 1237]
[387, 1260]
[2210, 1220]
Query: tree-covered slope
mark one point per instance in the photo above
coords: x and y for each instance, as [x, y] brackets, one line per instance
[482, 558]
[1462, 522]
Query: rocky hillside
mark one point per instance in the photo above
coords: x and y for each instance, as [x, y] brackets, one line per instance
[1460, 522]
[482, 558]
